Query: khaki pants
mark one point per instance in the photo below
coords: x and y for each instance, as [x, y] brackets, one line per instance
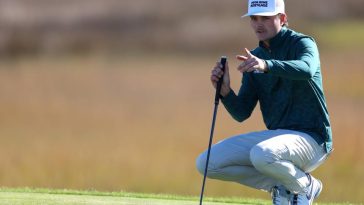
[265, 159]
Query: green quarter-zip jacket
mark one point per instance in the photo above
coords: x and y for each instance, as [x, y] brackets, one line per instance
[290, 94]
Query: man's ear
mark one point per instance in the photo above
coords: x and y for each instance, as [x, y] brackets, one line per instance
[283, 19]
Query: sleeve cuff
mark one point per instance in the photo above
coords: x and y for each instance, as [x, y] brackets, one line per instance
[269, 65]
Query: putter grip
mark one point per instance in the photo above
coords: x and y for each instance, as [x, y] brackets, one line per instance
[219, 83]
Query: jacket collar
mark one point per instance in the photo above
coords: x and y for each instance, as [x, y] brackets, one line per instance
[277, 40]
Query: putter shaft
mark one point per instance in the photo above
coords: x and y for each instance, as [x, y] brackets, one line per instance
[217, 99]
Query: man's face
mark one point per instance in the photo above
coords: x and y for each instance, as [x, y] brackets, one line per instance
[266, 27]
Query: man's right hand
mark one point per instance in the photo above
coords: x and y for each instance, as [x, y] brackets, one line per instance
[217, 73]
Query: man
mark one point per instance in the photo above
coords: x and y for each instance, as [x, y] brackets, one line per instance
[283, 74]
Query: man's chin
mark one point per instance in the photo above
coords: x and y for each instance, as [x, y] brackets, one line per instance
[262, 39]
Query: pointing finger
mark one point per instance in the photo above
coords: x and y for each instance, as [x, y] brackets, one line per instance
[248, 53]
[241, 57]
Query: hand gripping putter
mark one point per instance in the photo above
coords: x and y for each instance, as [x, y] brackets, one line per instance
[217, 99]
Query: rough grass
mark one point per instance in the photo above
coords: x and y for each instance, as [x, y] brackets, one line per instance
[340, 35]
[137, 123]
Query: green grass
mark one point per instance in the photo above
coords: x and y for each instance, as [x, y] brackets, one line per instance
[15, 196]
[25, 196]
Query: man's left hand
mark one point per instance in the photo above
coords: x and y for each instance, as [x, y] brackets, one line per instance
[251, 63]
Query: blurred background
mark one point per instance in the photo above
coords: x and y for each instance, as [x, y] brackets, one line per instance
[115, 94]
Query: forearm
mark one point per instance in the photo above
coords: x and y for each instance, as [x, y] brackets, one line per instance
[294, 69]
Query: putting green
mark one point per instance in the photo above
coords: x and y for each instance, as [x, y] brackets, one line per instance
[18, 198]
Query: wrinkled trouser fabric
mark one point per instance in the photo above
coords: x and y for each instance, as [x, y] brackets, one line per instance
[265, 159]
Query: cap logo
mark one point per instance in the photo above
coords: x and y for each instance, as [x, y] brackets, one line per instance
[259, 4]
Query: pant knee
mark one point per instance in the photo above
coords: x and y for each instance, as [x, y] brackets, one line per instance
[201, 165]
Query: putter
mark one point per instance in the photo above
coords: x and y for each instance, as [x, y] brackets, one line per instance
[217, 99]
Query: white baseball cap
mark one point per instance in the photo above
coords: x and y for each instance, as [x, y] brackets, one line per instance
[265, 7]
